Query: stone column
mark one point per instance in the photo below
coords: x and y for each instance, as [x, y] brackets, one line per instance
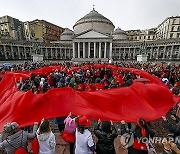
[30, 49]
[110, 52]
[65, 53]
[164, 52]
[56, 53]
[99, 49]
[19, 52]
[124, 54]
[151, 55]
[60, 53]
[51, 54]
[69, 53]
[74, 53]
[89, 49]
[12, 53]
[129, 54]
[105, 49]
[41, 51]
[46, 53]
[157, 53]
[94, 49]
[84, 53]
[25, 56]
[78, 49]
[134, 54]
[5, 53]
[172, 48]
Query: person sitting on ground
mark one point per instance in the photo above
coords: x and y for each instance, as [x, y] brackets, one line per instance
[46, 138]
[106, 136]
[84, 140]
[16, 138]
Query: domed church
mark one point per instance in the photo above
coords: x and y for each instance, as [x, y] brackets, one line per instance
[93, 37]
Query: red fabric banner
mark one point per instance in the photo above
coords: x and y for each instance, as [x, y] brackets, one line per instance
[150, 101]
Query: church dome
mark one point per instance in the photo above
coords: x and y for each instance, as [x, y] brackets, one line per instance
[93, 21]
[67, 35]
[119, 34]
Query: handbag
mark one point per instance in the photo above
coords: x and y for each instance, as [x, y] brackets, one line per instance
[68, 137]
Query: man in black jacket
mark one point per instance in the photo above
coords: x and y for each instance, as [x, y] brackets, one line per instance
[106, 136]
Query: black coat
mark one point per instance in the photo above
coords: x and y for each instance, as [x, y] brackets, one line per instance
[105, 144]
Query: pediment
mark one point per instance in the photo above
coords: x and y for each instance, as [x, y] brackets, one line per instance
[92, 34]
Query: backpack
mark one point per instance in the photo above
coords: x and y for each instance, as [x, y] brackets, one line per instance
[19, 150]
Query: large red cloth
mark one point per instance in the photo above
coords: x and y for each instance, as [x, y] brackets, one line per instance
[149, 101]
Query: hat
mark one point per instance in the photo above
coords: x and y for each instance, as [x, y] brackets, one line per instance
[11, 128]
[165, 80]
[83, 121]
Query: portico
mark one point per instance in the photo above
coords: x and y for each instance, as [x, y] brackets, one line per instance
[92, 45]
[92, 49]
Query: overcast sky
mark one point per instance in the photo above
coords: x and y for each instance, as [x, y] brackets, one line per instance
[127, 14]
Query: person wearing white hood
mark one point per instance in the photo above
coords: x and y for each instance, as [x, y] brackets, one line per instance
[46, 138]
[42, 82]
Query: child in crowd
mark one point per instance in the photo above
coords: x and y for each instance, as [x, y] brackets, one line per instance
[46, 138]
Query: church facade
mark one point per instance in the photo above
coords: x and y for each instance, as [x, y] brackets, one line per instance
[93, 38]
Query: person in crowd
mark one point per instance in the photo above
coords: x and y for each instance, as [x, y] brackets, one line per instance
[60, 122]
[46, 138]
[175, 130]
[89, 86]
[98, 84]
[69, 131]
[78, 78]
[84, 141]
[141, 130]
[16, 138]
[106, 135]
[105, 82]
[42, 82]
[114, 83]
[73, 83]
[169, 146]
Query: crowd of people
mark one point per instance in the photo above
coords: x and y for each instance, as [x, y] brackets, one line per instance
[75, 130]
[81, 140]
[92, 78]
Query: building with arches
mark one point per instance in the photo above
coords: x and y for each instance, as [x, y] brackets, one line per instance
[95, 38]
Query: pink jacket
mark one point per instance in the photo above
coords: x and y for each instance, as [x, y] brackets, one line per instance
[70, 125]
